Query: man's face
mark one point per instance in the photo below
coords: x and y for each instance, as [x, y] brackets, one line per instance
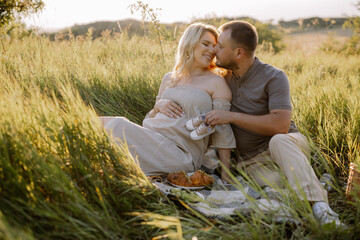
[225, 52]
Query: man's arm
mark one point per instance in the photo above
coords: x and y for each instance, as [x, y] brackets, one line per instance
[277, 121]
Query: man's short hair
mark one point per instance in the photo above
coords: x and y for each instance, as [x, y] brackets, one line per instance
[242, 33]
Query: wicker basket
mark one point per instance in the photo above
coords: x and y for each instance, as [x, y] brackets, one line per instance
[353, 184]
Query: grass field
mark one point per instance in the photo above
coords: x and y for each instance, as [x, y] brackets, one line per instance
[312, 41]
[62, 178]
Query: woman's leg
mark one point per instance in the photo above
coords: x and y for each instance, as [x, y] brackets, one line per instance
[155, 153]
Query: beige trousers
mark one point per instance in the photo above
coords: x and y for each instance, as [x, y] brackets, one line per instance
[287, 156]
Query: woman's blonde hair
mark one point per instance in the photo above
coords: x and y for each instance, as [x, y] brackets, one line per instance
[185, 52]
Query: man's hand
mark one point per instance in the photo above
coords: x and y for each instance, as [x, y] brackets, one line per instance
[169, 108]
[215, 117]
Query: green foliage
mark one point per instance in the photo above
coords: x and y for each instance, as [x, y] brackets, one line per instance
[8, 9]
[269, 35]
[17, 31]
[352, 46]
[354, 24]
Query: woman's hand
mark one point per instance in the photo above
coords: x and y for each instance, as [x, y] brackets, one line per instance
[169, 108]
[225, 158]
[225, 178]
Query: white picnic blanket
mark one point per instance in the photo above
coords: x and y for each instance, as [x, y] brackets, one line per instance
[227, 203]
[223, 202]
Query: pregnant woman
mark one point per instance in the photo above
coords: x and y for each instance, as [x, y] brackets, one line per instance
[163, 143]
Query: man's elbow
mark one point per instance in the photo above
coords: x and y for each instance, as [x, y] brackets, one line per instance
[282, 131]
[281, 121]
[282, 128]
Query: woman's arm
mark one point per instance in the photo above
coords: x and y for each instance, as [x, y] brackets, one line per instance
[150, 114]
[222, 91]
[166, 106]
[224, 155]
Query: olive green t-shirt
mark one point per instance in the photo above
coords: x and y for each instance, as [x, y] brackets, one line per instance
[262, 89]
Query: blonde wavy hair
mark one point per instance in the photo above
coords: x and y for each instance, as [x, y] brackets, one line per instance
[185, 52]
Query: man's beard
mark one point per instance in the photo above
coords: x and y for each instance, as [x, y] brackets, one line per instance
[230, 65]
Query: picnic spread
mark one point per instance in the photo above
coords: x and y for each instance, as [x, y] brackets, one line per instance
[219, 200]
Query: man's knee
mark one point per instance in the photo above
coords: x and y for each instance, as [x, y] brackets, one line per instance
[290, 141]
[265, 175]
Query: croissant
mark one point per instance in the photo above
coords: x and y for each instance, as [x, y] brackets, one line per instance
[179, 178]
[200, 178]
[175, 175]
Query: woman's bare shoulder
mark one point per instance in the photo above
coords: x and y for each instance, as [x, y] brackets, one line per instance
[165, 82]
[217, 80]
[220, 88]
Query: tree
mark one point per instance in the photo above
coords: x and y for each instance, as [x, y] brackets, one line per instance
[9, 9]
[353, 45]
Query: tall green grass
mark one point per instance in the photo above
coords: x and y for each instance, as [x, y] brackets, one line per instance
[61, 177]
[60, 174]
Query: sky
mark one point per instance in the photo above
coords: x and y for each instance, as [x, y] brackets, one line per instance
[60, 14]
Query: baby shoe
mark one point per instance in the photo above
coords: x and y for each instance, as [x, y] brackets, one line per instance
[192, 124]
[202, 131]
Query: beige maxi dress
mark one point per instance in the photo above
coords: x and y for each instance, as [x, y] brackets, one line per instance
[163, 144]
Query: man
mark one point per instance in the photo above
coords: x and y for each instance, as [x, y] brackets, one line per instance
[260, 117]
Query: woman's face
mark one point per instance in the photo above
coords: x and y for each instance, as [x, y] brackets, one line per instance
[204, 50]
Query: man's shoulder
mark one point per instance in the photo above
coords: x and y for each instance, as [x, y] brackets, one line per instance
[270, 70]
